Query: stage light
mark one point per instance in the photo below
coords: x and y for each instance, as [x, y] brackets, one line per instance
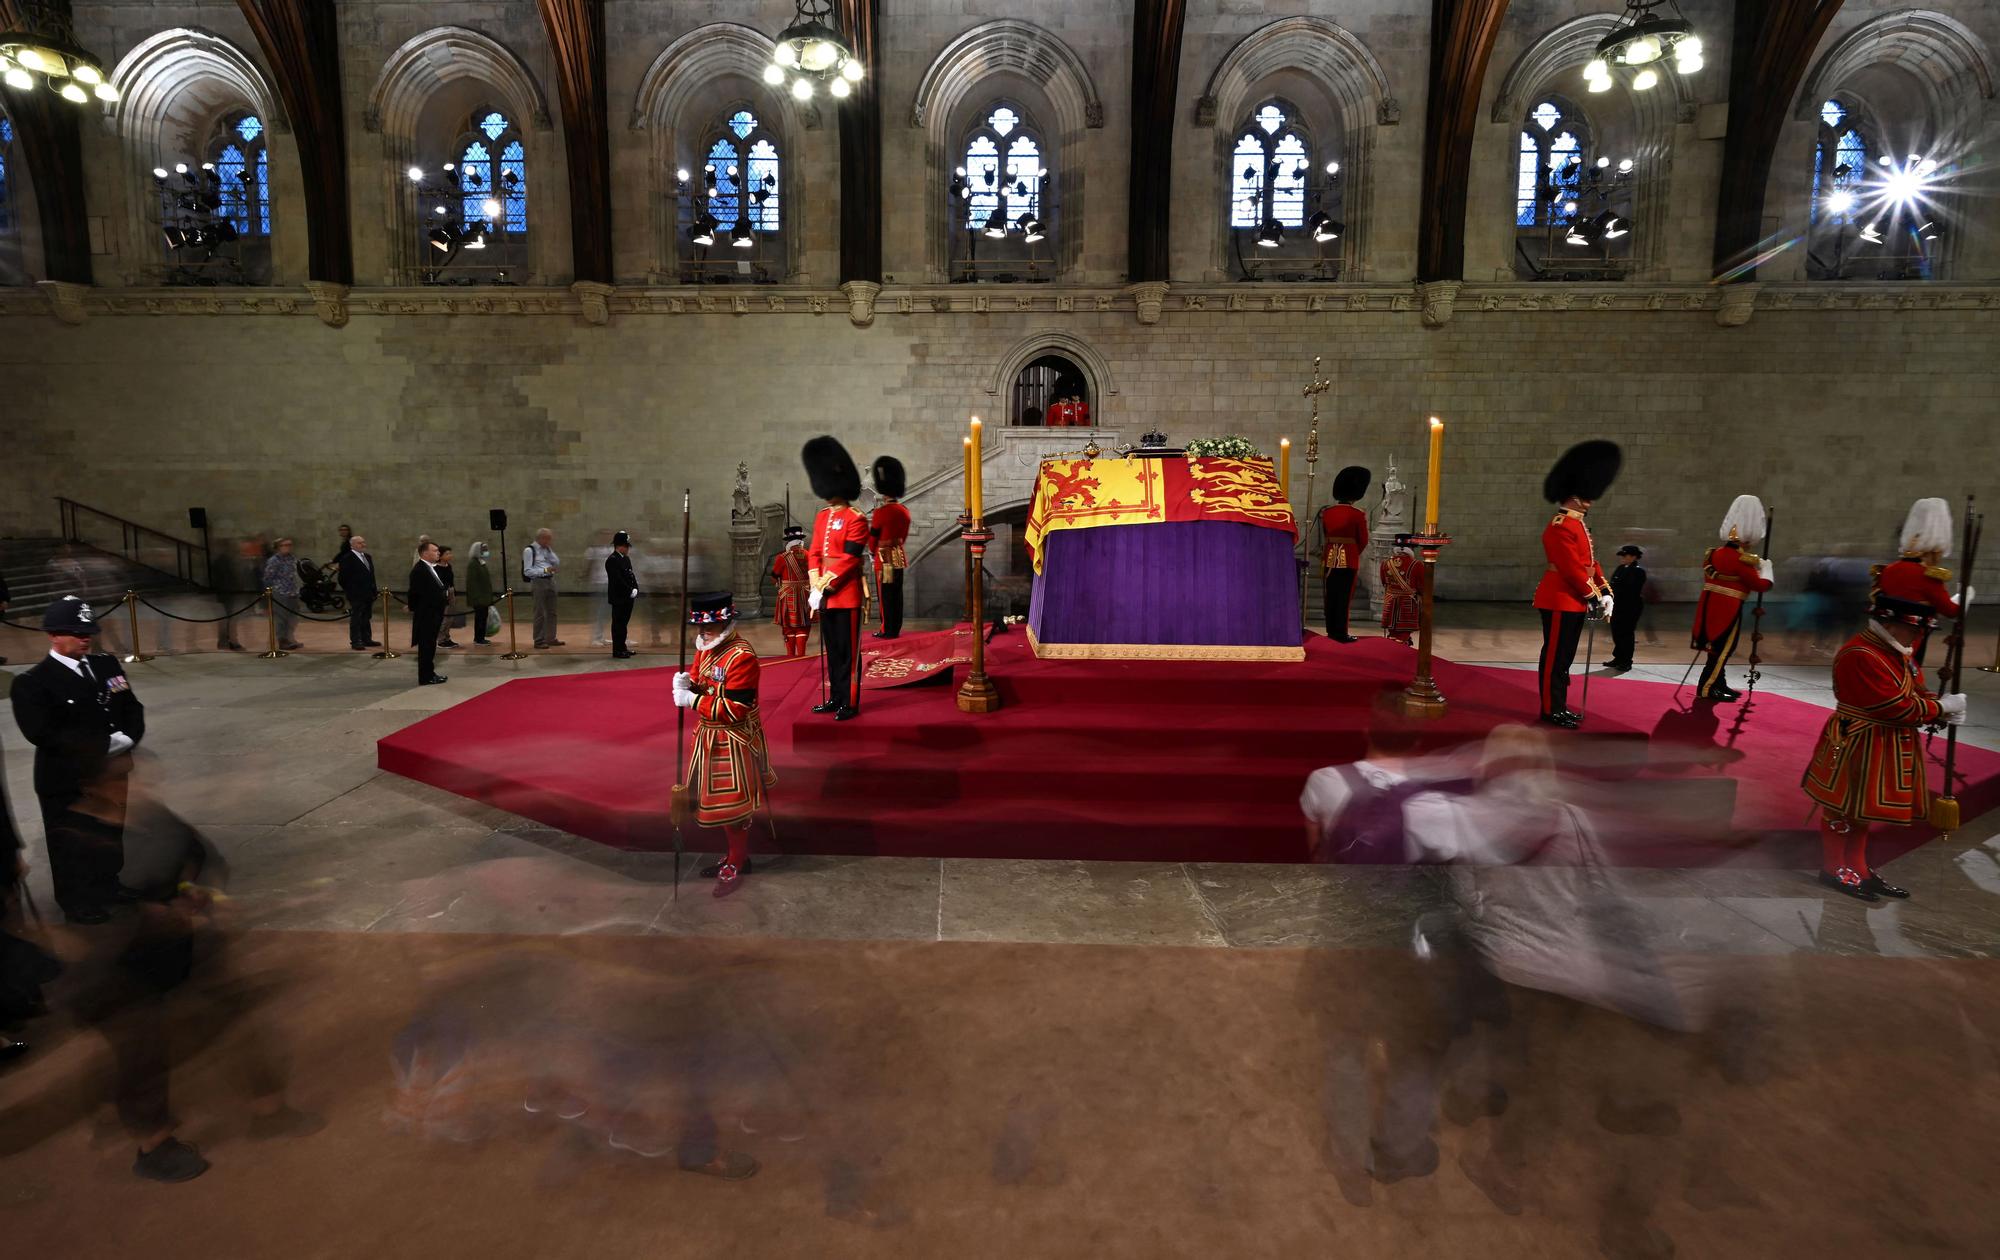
[451, 166]
[440, 240]
[159, 172]
[478, 240]
[774, 74]
[208, 166]
[996, 227]
[703, 231]
[1333, 168]
[1603, 163]
[1610, 226]
[437, 210]
[1872, 234]
[1032, 232]
[1271, 234]
[180, 168]
[1569, 207]
[1926, 167]
[681, 174]
[490, 208]
[1625, 166]
[416, 174]
[1322, 227]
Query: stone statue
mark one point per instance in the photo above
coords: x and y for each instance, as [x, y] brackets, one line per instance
[1391, 517]
[741, 512]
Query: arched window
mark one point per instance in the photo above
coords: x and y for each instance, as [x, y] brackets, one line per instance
[742, 174]
[1553, 141]
[1269, 169]
[1840, 165]
[493, 167]
[243, 171]
[1002, 175]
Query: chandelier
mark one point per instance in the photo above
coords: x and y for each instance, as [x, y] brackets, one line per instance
[45, 45]
[810, 51]
[1642, 42]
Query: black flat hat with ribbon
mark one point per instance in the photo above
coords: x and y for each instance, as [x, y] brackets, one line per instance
[711, 608]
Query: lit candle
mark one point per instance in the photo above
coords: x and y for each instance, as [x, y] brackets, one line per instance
[978, 502]
[965, 469]
[1285, 464]
[1437, 466]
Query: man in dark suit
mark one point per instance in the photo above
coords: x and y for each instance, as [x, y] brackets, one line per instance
[357, 582]
[428, 596]
[77, 708]
[621, 588]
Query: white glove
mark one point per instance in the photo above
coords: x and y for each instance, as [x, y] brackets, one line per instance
[683, 696]
[635, 592]
[1765, 571]
[1604, 607]
[814, 600]
[1965, 600]
[121, 742]
[1952, 708]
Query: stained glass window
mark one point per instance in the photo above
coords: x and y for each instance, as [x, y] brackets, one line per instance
[475, 181]
[743, 122]
[1840, 165]
[1004, 170]
[982, 174]
[1269, 169]
[243, 174]
[1550, 165]
[229, 169]
[745, 167]
[492, 153]
[494, 125]
[514, 193]
[250, 128]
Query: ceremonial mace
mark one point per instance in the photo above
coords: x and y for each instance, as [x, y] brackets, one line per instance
[1312, 391]
[677, 800]
[1944, 806]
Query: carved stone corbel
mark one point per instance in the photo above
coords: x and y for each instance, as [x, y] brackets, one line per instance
[1150, 298]
[65, 299]
[595, 295]
[1438, 298]
[1738, 301]
[329, 302]
[861, 295]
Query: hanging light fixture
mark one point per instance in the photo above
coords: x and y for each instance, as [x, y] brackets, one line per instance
[1650, 33]
[45, 45]
[740, 237]
[1271, 234]
[811, 53]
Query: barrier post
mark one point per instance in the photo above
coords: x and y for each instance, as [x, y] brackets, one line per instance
[132, 609]
[271, 625]
[513, 652]
[388, 653]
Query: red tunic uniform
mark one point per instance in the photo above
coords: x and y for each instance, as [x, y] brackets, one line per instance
[793, 614]
[1573, 577]
[1343, 530]
[889, 528]
[1400, 580]
[839, 539]
[1919, 583]
[1728, 574]
[1866, 766]
[728, 766]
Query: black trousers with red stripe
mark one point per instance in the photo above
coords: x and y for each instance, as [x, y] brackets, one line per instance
[1560, 631]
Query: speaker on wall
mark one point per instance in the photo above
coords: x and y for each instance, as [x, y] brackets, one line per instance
[496, 518]
[197, 518]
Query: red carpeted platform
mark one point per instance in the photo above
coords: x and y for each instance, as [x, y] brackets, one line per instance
[1157, 761]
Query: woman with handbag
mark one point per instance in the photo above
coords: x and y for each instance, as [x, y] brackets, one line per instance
[478, 590]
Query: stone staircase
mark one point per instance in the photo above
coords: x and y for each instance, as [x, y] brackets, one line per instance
[41, 570]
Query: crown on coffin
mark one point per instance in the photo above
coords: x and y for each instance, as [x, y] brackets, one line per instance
[1152, 438]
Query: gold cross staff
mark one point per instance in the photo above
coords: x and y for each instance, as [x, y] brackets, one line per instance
[1318, 386]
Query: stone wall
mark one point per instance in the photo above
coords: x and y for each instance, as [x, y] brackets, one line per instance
[406, 424]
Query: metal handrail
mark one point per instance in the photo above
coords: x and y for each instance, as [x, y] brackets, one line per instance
[131, 535]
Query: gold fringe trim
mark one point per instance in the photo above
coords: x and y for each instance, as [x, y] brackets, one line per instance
[1161, 651]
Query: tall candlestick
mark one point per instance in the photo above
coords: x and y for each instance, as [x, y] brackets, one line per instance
[978, 501]
[1437, 466]
[1285, 465]
[965, 467]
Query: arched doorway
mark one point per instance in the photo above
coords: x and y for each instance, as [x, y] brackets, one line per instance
[1051, 391]
[938, 576]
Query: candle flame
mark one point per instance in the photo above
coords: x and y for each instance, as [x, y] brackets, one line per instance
[1436, 423]
[1284, 441]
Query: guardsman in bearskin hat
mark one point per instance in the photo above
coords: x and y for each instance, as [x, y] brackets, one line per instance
[1343, 532]
[889, 531]
[1401, 573]
[1867, 767]
[77, 708]
[1729, 573]
[835, 551]
[788, 570]
[1573, 587]
[1917, 577]
[729, 769]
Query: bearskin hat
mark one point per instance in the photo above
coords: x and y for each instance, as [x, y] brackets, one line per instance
[1585, 471]
[831, 470]
[1350, 483]
[887, 474]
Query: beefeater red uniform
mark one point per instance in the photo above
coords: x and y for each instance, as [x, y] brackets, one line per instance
[1400, 578]
[1866, 767]
[794, 617]
[1729, 575]
[1572, 581]
[1914, 579]
[728, 766]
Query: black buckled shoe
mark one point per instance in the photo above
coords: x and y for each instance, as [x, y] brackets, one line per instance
[714, 869]
[1846, 881]
[845, 712]
[1568, 721]
[827, 707]
[1883, 888]
[1722, 695]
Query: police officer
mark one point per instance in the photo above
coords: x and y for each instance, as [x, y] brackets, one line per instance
[77, 708]
[621, 591]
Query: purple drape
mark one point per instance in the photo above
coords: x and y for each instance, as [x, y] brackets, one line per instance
[1181, 582]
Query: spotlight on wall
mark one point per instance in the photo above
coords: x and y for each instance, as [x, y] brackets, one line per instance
[1031, 231]
[1841, 202]
[490, 208]
[703, 231]
[740, 236]
[1609, 226]
[416, 174]
[1271, 235]
[996, 227]
[1323, 227]
[159, 172]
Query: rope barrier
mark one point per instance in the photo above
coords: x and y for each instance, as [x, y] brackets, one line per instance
[109, 608]
[303, 615]
[200, 621]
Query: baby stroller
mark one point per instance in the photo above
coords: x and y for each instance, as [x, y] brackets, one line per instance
[317, 589]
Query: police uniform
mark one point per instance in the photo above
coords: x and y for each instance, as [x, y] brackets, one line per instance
[82, 718]
[1866, 767]
[835, 552]
[621, 591]
[788, 570]
[889, 535]
[729, 767]
[1573, 585]
[1916, 576]
[1628, 596]
[1343, 532]
[1729, 575]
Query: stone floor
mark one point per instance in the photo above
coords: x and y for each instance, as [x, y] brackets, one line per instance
[275, 761]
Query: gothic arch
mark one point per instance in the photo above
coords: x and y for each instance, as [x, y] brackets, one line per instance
[415, 73]
[1951, 66]
[172, 86]
[1563, 51]
[1027, 51]
[1350, 76]
[681, 79]
[1096, 369]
